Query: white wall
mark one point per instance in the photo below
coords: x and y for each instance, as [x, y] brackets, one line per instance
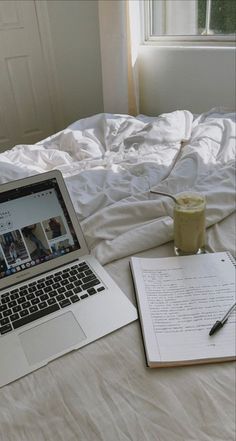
[195, 79]
[74, 28]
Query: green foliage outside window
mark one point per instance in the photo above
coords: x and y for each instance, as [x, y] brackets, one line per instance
[223, 16]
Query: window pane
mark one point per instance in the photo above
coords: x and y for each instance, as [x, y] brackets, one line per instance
[223, 17]
[193, 17]
[201, 16]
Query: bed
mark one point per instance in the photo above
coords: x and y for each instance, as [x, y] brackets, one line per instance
[104, 391]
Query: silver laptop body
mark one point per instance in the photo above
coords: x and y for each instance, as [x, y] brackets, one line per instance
[54, 296]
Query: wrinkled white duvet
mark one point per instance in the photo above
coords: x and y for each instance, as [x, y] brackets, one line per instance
[104, 392]
[110, 161]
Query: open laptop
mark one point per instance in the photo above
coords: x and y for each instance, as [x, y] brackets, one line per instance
[54, 296]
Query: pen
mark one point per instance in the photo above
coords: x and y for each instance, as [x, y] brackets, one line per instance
[220, 323]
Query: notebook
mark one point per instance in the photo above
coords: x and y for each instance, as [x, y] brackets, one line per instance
[54, 296]
[179, 299]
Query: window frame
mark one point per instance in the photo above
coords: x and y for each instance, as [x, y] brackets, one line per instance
[180, 40]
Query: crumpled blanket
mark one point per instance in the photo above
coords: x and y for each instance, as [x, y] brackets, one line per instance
[110, 162]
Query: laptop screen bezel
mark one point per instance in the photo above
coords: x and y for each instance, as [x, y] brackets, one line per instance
[49, 265]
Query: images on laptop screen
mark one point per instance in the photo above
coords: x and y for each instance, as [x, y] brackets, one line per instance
[34, 227]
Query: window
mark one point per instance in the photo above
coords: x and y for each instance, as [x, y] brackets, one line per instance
[190, 20]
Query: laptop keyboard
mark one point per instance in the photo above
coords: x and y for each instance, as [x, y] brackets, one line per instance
[46, 295]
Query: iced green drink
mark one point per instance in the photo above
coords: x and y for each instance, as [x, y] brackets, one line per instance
[189, 224]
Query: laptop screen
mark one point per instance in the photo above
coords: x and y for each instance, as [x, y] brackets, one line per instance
[35, 227]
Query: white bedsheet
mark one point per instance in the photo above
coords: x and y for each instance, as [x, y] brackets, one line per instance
[110, 162]
[104, 392]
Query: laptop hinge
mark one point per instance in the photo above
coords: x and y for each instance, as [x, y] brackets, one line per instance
[40, 274]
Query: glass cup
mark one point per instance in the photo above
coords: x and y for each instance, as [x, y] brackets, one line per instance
[189, 224]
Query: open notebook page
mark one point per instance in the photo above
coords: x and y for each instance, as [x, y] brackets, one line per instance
[179, 300]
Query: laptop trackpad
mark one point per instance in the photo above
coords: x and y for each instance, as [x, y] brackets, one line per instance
[52, 337]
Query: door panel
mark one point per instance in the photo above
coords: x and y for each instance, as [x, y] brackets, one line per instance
[25, 108]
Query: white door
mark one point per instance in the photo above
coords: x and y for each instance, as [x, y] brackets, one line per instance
[25, 110]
